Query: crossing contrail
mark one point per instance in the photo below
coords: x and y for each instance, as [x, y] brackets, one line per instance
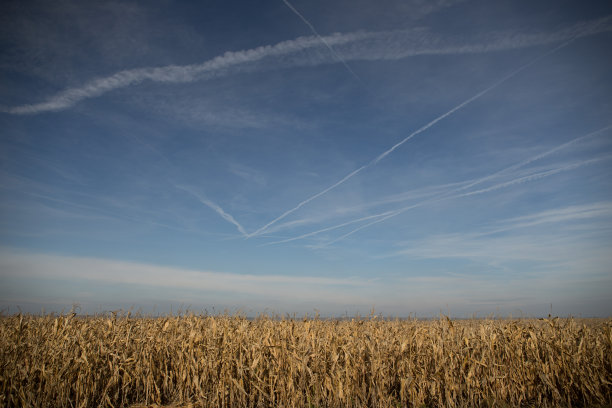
[315, 32]
[216, 208]
[369, 217]
[445, 195]
[410, 136]
[297, 207]
[532, 159]
[518, 180]
[357, 46]
[468, 101]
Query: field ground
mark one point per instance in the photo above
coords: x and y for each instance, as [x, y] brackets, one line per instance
[231, 361]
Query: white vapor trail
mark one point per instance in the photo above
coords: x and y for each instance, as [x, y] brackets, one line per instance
[420, 193]
[535, 176]
[217, 66]
[527, 161]
[369, 217]
[315, 32]
[467, 102]
[532, 159]
[444, 196]
[519, 180]
[355, 46]
[303, 203]
[410, 136]
[215, 208]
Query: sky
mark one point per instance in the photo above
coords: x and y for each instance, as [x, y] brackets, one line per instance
[409, 157]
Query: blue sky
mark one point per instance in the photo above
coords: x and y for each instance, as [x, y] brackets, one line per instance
[410, 156]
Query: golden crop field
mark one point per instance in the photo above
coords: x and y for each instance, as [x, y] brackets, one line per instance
[230, 361]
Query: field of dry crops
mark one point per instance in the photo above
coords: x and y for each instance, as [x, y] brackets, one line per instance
[230, 361]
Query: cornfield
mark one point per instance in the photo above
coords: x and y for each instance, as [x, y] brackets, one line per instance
[231, 361]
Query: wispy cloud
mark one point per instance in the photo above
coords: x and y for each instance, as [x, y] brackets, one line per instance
[211, 112]
[329, 47]
[25, 265]
[399, 296]
[554, 246]
[159, 285]
[247, 173]
[355, 46]
[553, 216]
[216, 208]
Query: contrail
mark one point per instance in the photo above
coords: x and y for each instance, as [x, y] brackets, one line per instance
[444, 196]
[215, 208]
[286, 213]
[468, 101]
[525, 162]
[355, 220]
[532, 159]
[420, 193]
[369, 217]
[535, 176]
[519, 180]
[315, 32]
[358, 46]
[218, 66]
[413, 134]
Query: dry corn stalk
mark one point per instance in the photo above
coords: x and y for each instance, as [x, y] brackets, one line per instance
[230, 361]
